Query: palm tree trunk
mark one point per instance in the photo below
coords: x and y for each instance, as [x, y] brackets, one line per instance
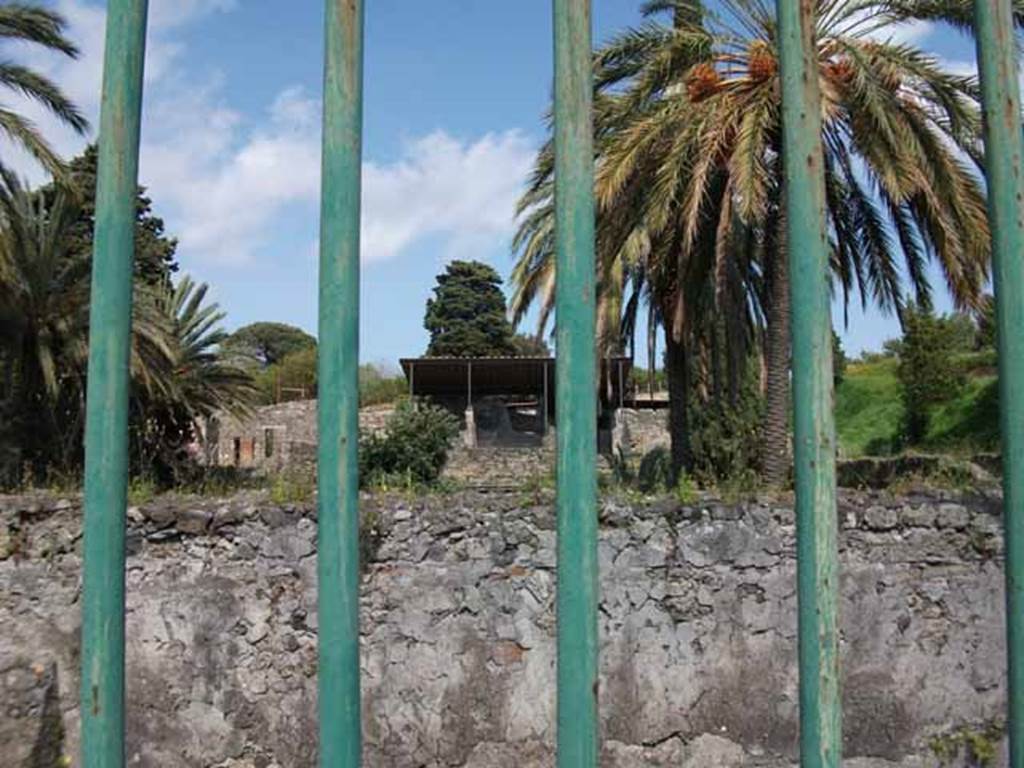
[775, 439]
[652, 353]
[676, 370]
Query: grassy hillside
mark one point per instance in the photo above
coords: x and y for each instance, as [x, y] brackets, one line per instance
[869, 412]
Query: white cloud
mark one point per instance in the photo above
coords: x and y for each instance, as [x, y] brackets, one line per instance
[223, 180]
[905, 33]
[81, 78]
[463, 191]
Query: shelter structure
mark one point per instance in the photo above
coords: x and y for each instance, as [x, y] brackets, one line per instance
[510, 401]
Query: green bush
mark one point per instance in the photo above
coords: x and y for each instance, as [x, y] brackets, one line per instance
[839, 360]
[725, 432]
[413, 448]
[929, 372]
[655, 473]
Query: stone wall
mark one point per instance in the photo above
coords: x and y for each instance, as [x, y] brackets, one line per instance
[697, 623]
[505, 467]
[640, 430]
[279, 437]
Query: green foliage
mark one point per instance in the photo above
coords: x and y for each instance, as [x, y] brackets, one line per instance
[197, 383]
[655, 473]
[292, 378]
[295, 378]
[155, 252]
[640, 379]
[968, 422]
[977, 747]
[839, 360]
[685, 490]
[869, 409]
[413, 448]
[725, 434]
[141, 490]
[928, 371]
[529, 346]
[466, 317]
[986, 337]
[267, 344]
[376, 387]
[870, 413]
[292, 488]
[687, 125]
[178, 376]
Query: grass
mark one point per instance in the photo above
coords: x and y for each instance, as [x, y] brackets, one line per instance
[868, 408]
[869, 412]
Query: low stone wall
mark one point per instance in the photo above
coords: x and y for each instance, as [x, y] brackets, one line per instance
[697, 628]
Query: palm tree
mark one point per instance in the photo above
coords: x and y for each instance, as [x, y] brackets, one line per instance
[689, 161]
[201, 381]
[40, 26]
[44, 326]
[178, 376]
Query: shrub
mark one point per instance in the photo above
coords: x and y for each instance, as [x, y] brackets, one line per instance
[928, 370]
[725, 432]
[413, 448]
[655, 471]
[838, 360]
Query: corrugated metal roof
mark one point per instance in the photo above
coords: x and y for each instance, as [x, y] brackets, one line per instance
[490, 376]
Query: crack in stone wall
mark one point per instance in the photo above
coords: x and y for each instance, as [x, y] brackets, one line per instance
[697, 622]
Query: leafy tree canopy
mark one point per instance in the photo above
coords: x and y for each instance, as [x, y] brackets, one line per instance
[154, 250]
[269, 343]
[467, 316]
[928, 371]
[530, 346]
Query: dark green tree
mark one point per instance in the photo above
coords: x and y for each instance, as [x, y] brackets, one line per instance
[154, 250]
[467, 316]
[928, 370]
[838, 360]
[986, 334]
[530, 346]
[268, 343]
[177, 372]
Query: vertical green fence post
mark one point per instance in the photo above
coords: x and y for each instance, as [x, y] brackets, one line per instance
[1004, 150]
[338, 362]
[106, 423]
[814, 430]
[575, 388]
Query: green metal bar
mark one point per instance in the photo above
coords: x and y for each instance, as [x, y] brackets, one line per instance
[1004, 150]
[338, 458]
[814, 429]
[575, 388]
[106, 427]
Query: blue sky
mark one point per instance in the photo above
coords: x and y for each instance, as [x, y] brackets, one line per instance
[455, 92]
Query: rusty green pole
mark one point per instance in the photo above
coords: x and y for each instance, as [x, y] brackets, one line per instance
[338, 362]
[106, 422]
[814, 428]
[1004, 166]
[575, 388]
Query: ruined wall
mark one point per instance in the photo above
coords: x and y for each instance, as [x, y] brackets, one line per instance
[697, 627]
[280, 437]
[642, 429]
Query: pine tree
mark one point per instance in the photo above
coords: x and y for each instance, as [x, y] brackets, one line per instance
[467, 316]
